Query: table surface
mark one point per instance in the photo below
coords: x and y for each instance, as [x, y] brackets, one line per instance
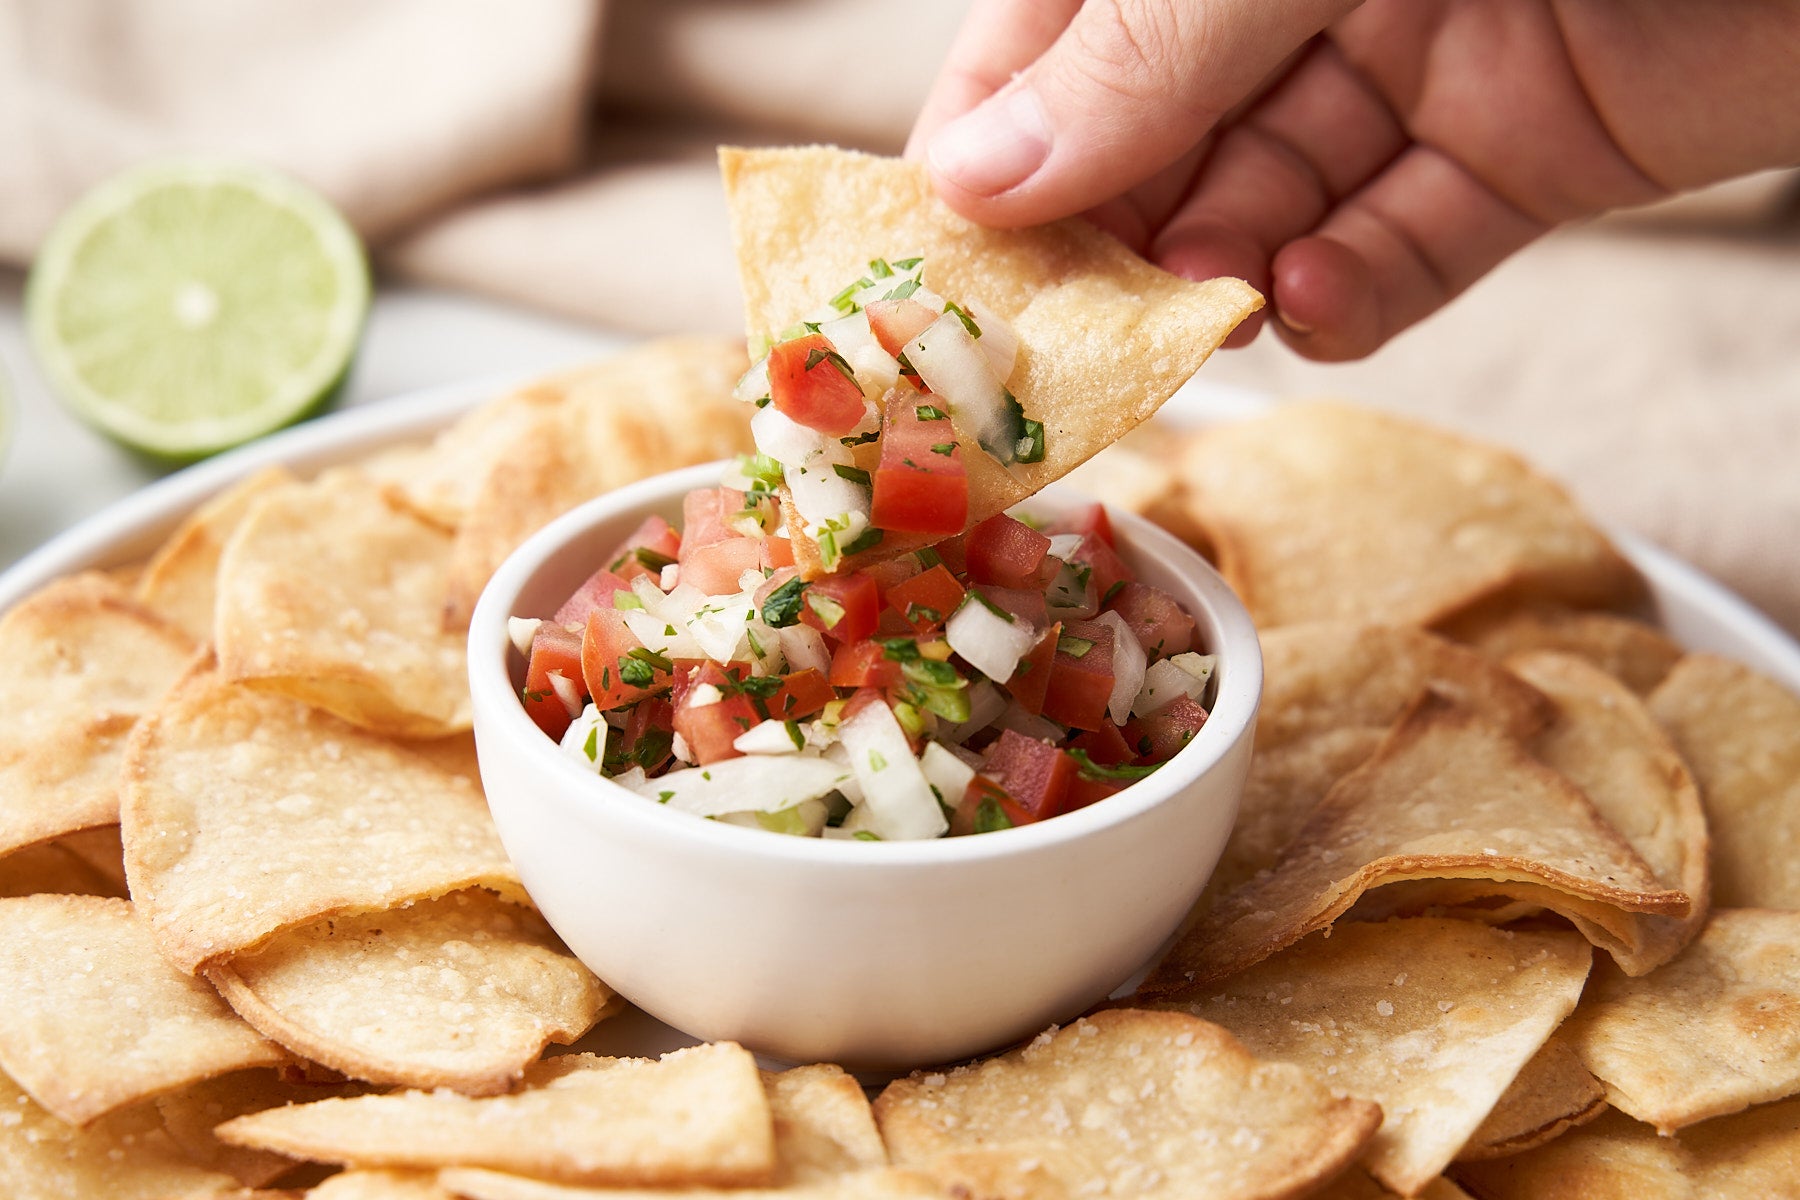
[57, 470]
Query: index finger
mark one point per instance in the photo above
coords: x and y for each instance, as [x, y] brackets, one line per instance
[998, 39]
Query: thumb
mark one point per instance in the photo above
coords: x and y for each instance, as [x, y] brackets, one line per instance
[1125, 90]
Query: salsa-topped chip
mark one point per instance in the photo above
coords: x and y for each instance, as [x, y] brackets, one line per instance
[962, 361]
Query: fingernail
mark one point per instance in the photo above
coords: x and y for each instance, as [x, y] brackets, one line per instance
[1292, 324]
[995, 146]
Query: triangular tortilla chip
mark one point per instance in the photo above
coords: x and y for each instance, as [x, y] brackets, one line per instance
[459, 992]
[1710, 1033]
[179, 584]
[1552, 1094]
[1634, 652]
[1607, 744]
[1104, 337]
[190, 1116]
[1740, 734]
[245, 814]
[1431, 1019]
[1448, 796]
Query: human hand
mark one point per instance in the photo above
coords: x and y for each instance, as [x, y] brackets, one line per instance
[1360, 164]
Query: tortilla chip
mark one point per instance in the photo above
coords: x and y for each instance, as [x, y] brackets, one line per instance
[190, 1115]
[1447, 796]
[180, 583]
[695, 1117]
[1125, 1103]
[1711, 1033]
[1325, 510]
[331, 595]
[1104, 337]
[1552, 1094]
[51, 867]
[1607, 743]
[91, 1017]
[1750, 1154]
[652, 408]
[245, 814]
[460, 992]
[381, 1185]
[125, 1156]
[826, 1145]
[1634, 652]
[1357, 1184]
[1429, 1018]
[82, 664]
[1331, 690]
[440, 480]
[1740, 734]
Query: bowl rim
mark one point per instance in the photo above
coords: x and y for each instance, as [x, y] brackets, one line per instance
[496, 706]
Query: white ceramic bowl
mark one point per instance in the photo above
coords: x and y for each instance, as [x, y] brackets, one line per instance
[880, 956]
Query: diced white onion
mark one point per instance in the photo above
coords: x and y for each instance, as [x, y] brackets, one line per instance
[997, 339]
[1128, 668]
[754, 384]
[720, 787]
[784, 439]
[987, 641]
[566, 691]
[953, 365]
[1183, 675]
[822, 495]
[875, 369]
[588, 724]
[946, 772]
[804, 648]
[805, 819]
[521, 630]
[769, 737]
[898, 798]
[985, 703]
[670, 577]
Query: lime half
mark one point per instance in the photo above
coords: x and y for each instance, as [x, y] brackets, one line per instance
[191, 305]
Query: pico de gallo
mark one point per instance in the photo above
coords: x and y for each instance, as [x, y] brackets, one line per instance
[866, 405]
[1002, 677]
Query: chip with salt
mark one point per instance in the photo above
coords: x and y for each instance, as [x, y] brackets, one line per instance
[1447, 796]
[1326, 510]
[1552, 1094]
[179, 584]
[1606, 742]
[1711, 1033]
[1104, 337]
[83, 662]
[1740, 734]
[91, 1017]
[245, 814]
[379, 1184]
[1429, 1018]
[695, 1117]
[1125, 1103]
[1748, 1154]
[658, 406]
[330, 594]
[1634, 652]
[190, 1115]
[459, 992]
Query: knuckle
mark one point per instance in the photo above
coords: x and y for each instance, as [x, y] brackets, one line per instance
[1135, 49]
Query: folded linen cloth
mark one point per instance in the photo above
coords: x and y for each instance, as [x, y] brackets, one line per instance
[560, 154]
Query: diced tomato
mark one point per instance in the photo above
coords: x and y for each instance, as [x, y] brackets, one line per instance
[1031, 679]
[652, 545]
[1105, 746]
[1025, 604]
[983, 790]
[610, 653]
[1092, 519]
[710, 729]
[801, 695]
[1034, 773]
[646, 736]
[844, 607]
[1157, 737]
[1081, 684]
[1154, 618]
[704, 513]
[806, 384]
[1008, 552]
[777, 552]
[716, 569]
[1102, 561]
[897, 322]
[953, 553]
[864, 664]
[553, 648]
[893, 572]
[597, 592]
[927, 599]
[921, 485]
[1084, 791]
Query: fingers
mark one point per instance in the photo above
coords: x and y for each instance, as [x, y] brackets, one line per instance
[1124, 91]
[997, 39]
[1391, 255]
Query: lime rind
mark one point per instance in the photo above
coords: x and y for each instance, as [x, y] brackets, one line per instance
[124, 294]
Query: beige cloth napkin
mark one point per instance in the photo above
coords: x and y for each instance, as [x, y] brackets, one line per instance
[559, 153]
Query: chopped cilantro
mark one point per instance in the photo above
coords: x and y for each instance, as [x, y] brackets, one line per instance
[930, 412]
[904, 289]
[1074, 647]
[989, 816]
[1088, 769]
[928, 557]
[591, 747]
[944, 448]
[782, 608]
[1112, 591]
[976, 596]
[868, 539]
[664, 797]
[861, 439]
[907, 264]
[815, 357]
[877, 761]
[962, 314]
[923, 613]
[626, 600]
[853, 474]
[634, 673]
[794, 734]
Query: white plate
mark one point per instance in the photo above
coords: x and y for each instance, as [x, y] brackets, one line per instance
[1696, 611]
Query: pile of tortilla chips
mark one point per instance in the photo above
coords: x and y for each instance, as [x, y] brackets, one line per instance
[1512, 908]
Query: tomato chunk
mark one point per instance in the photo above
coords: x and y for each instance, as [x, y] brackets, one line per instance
[597, 592]
[1157, 737]
[704, 516]
[864, 664]
[806, 384]
[1081, 676]
[986, 806]
[1035, 774]
[716, 569]
[1030, 681]
[927, 599]
[553, 648]
[1103, 563]
[647, 740]
[1105, 746]
[844, 607]
[897, 322]
[1084, 791]
[1154, 618]
[801, 695]
[921, 485]
[1008, 552]
[650, 548]
[1092, 519]
[617, 668]
[712, 711]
